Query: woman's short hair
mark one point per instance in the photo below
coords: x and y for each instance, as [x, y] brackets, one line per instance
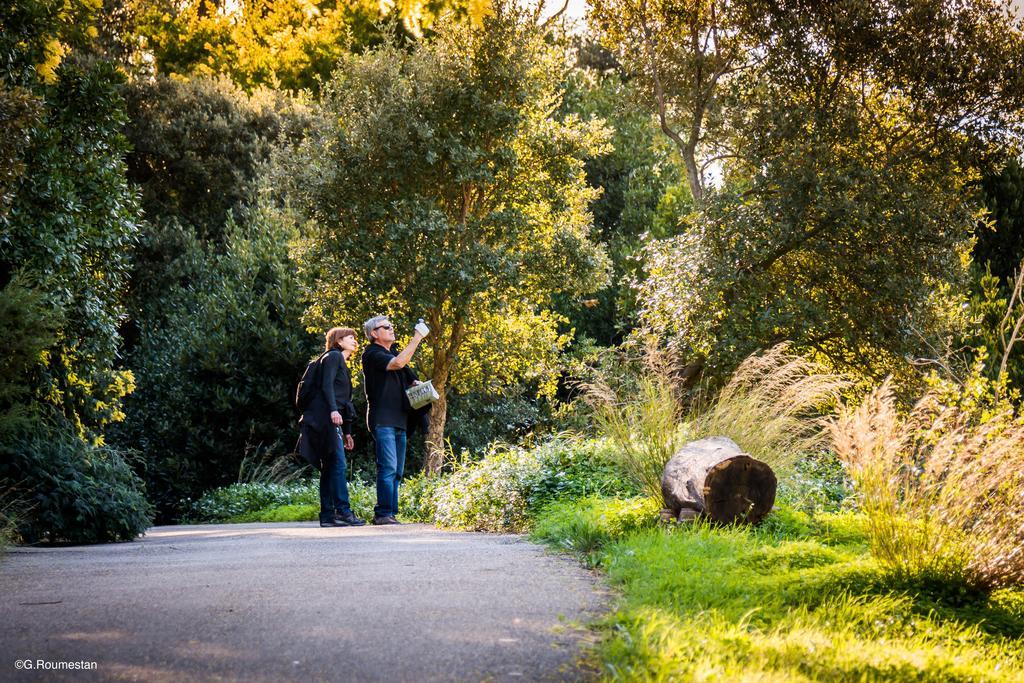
[370, 325]
[335, 335]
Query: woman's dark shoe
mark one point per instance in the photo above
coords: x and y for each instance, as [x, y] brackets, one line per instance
[349, 519]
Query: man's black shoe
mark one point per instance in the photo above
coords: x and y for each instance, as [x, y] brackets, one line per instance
[349, 519]
[331, 523]
[385, 520]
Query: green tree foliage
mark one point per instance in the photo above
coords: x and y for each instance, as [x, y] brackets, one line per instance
[987, 362]
[197, 150]
[289, 44]
[69, 232]
[37, 34]
[197, 146]
[1000, 241]
[214, 338]
[30, 329]
[67, 223]
[217, 366]
[680, 53]
[69, 217]
[19, 112]
[853, 138]
[440, 183]
[635, 177]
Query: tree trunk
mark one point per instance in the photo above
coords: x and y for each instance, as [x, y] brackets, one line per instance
[445, 352]
[714, 478]
[435, 433]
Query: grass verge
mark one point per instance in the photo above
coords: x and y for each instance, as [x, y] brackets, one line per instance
[799, 598]
[280, 513]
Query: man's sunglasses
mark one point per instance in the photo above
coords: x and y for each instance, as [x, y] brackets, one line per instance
[383, 327]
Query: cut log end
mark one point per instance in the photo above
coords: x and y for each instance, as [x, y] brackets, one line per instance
[714, 478]
[739, 489]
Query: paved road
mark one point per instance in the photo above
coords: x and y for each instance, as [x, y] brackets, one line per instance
[277, 602]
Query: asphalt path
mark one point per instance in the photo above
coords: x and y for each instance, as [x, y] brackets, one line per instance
[294, 602]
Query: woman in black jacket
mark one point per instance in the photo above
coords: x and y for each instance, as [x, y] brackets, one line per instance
[336, 389]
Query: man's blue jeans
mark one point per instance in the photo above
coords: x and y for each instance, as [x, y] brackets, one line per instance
[390, 447]
[340, 472]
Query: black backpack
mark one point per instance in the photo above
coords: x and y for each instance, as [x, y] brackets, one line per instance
[309, 384]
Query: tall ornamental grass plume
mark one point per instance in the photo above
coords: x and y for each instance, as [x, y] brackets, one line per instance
[772, 407]
[260, 467]
[12, 507]
[641, 418]
[942, 490]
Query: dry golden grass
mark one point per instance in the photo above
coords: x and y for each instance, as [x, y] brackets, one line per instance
[643, 421]
[944, 494]
[772, 407]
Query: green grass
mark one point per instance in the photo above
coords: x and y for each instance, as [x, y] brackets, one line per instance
[360, 497]
[281, 513]
[798, 598]
[585, 526]
[292, 502]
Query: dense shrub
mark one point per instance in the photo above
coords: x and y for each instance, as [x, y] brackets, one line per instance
[71, 491]
[498, 492]
[30, 327]
[415, 498]
[818, 482]
[575, 468]
[486, 496]
[477, 418]
[225, 502]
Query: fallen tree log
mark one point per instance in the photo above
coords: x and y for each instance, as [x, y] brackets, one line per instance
[714, 478]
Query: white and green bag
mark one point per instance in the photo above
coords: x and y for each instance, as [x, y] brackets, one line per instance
[421, 394]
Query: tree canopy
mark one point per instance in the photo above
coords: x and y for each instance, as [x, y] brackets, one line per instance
[288, 44]
[439, 182]
[847, 142]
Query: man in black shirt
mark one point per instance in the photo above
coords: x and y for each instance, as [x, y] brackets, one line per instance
[387, 409]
